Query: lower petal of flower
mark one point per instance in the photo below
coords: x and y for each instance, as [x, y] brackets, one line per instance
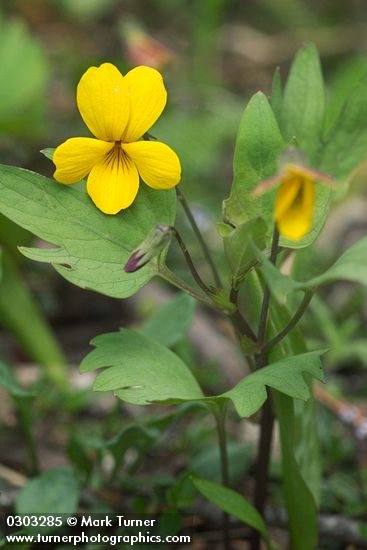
[158, 165]
[75, 158]
[296, 221]
[286, 195]
[114, 182]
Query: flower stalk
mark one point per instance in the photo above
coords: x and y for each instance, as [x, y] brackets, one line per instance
[267, 417]
[199, 237]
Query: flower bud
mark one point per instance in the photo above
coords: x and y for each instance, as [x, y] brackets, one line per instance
[151, 247]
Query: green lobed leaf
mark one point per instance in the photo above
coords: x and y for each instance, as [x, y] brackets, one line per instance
[169, 323]
[286, 375]
[233, 503]
[91, 247]
[258, 146]
[55, 491]
[304, 101]
[141, 371]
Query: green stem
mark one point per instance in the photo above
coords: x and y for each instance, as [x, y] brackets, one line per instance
[190, 263]
[176, 281]
[266, 299]
[220, 418]
[199, 237]
[292, 323]
[238, 319]
[267, 417]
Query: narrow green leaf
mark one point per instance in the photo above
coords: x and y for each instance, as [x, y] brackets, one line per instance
[299, 500]
[233, 503]
[351, 266]
[20, 314]
[169, 323]
[296, 481]
[304, 101]
[91, 247]
[258, 145]
[141, 371]
[286, 375]
[307, 446]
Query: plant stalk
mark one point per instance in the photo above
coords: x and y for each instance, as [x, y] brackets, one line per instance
[292, 323]
[190, 263]
[176, 281]
[266, 299]
[238, 319]
[199, 237]
[267, 417]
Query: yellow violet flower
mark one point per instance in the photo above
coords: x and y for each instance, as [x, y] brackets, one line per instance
[118, 110]
[294, 203]
[295, 198]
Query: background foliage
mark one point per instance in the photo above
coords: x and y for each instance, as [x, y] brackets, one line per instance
[214, 55]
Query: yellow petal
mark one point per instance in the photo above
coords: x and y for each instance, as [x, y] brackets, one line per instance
[158, 165]
[103, 101]
[75, 158]
[148, 98]
[114, 182]
[286, 194]
[296, 221]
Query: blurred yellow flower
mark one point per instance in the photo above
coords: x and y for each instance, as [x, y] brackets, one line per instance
[295, 201]
[118, 110]
[295, 198]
